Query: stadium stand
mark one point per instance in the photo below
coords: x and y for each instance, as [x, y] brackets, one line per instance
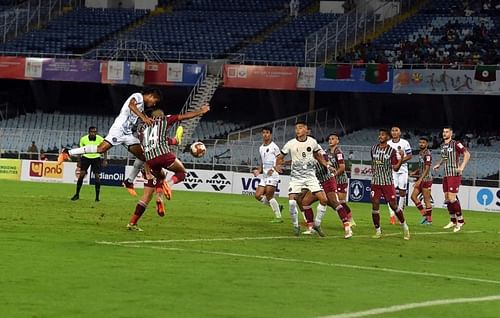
[287, 44]
[75, 32]
[444, 32]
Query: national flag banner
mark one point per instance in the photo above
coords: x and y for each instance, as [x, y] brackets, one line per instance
[376, 73]
[338, 71]
[486, 73]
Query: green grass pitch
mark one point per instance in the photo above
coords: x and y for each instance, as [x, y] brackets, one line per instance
[216, 255]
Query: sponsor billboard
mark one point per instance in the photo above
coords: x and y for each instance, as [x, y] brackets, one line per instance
[110, 175]
[10, 169]
[263, 77]
[246, 184]
[444, 82]
[359, 190]
[356, 82]
[361, 171]
[48, 171]
[484, 199]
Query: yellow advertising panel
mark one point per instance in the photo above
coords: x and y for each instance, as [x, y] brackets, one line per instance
[10, 169]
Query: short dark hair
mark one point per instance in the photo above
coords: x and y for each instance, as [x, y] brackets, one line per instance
[268, 128]
[448, 127]
[92, 128]
[384, 130]
[333, 134]
[152, 91]
[300, 122]
[424, 138]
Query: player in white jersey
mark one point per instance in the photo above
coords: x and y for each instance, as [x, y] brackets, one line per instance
[270, 177]
[121, 132]
[304, 151]
[401, 176]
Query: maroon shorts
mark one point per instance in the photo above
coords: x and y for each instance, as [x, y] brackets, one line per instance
[425, 185]
[151, 183]
[451, 184]
[342, 188]
[163, 161]
[329, 186]
[388, 191]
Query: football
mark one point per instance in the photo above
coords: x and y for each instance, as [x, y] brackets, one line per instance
[198, 149]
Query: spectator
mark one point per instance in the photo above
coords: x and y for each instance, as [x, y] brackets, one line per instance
[33, 150]
[43, 157]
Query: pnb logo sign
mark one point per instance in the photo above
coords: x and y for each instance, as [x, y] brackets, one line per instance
[192, 180]
[489, 199]
[218, 181]
[40, 169]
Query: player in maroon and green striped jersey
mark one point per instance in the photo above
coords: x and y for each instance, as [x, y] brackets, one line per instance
[155, 143]
[336, 158]
[424, 182]
[450, 158]
[384, 162]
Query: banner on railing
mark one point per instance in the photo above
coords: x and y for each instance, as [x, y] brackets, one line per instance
[447, 82]
[115, 72]
[358, 81]
[306, 78]
[261, 77]
[12, 67]
[70, 70]
[172, 73]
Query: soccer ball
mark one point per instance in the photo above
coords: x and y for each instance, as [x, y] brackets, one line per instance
[198, 149]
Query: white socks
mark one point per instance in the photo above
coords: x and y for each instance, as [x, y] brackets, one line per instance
[264, 201]
[136, 168]
[276, 207]
[293, 212]
[82, 150]
[320, 212]
[402, 203]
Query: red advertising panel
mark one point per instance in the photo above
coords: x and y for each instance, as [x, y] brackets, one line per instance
[12, 67]
[155, 74]
[265, 77]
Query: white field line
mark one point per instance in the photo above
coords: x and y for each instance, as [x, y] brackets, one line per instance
[396, 308]
[259, 238]
[301, 261]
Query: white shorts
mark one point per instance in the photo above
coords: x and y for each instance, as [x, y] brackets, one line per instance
[311, 184]
[400, 180]
[272, 180]
[117, 137]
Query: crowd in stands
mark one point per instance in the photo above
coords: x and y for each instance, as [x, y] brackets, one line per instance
[466, 35]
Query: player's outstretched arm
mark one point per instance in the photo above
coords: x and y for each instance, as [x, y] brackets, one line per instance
[133, 107]
[203, 110]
